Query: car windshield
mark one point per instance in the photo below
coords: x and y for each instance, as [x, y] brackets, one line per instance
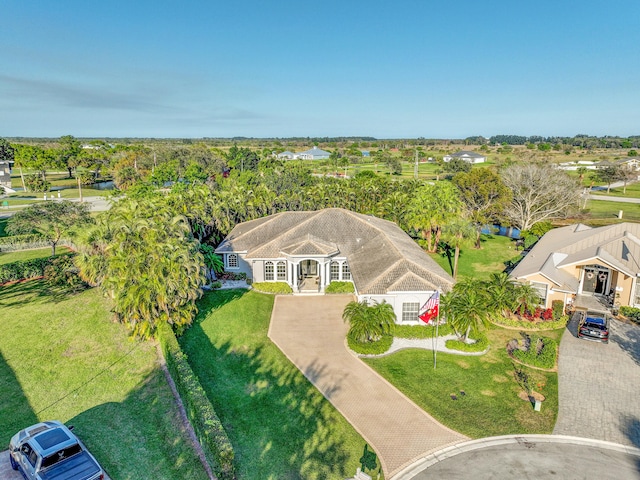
[60, 455]
[596, 323]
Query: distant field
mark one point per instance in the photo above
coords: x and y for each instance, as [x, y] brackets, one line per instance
[600, 210]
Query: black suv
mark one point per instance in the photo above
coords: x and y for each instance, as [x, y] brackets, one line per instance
[594, 326]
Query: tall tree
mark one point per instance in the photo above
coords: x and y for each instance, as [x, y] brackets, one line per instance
[145, 258]
[457, 233]
[484, 195]
[369, 322]
[539, 192]
[431, 207]
[69, 153]
[52, 220]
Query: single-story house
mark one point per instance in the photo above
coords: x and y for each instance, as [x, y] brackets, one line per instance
[631, 163]
[313, 154]
[309, 250]
[467, 156]
[586, 266]
[286, 155]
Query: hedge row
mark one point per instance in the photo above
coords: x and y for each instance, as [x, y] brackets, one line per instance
[480, 345]
[632, 313]
[527, 325]
[340, 287]
[541, 352]
[370, 348]
[25, 242]
[273, 287]
[209, 430]
[23, 269]
[421, 331]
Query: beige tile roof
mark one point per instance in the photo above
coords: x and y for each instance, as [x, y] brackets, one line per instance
[617, 245]
[381, 256]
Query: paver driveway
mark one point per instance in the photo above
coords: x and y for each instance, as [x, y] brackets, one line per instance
[310, 332]
[599, 386]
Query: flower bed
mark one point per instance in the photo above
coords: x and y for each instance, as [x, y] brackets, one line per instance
[478, 345]
[276, 288]
[522, 323]
[370, 348]
[534, 350]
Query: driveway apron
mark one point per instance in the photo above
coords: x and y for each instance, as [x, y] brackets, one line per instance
[599, 386]
[310, 332]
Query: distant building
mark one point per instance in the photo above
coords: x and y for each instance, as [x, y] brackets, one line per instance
[287, 155]
[366, 153]
[469, 157]
[314, 154]
[5, 174]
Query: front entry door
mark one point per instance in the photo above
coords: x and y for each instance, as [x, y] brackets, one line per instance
[596, 280]
[309, 268]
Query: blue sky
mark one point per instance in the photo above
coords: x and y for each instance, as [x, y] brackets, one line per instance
[285, 68]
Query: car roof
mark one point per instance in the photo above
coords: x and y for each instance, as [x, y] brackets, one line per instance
[49, 437]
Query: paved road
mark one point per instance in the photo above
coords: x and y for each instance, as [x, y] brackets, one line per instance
[539, 457]
[599, 386]
[310, 332]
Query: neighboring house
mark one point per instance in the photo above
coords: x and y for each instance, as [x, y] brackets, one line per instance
[585, 266]
[309, 250]
[5, 175]
[632, 163]
[470, 157]
[287, 155]
[314, 154]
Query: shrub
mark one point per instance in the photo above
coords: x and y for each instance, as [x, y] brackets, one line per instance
[340, 287]
[557, 307]
[22, 242]
[535, 351]
[209, 430]
[35, 183]
[23, 269]
[370, 348]
[62, 272]
[232, 276]
[529, 324]
[277, 288]
[632, 313]
[421, 331]
[216, 285]
[480, 345]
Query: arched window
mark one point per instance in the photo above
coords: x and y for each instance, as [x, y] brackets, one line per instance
[346, 271]
[268, 271]
[335, 271]
[281, 269]
[232, 260]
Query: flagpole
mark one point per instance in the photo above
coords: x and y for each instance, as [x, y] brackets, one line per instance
[435, 350]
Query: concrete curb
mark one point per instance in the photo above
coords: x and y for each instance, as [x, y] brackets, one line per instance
[453, 450]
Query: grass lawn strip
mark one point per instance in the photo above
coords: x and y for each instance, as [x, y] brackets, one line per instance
[279, 424]
[490, 404]
[62, 357]
[11, 257]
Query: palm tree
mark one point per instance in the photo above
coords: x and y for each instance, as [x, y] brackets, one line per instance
[466, 307]
[369, 323]
[458, 233]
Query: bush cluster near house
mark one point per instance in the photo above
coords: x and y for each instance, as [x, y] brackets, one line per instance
[340, 287]
[479, 345]
[276, 288]
[377, 347]
[534, 350]
[632, 313]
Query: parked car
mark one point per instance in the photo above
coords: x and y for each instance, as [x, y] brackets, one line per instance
[594, 326]
[50, 451]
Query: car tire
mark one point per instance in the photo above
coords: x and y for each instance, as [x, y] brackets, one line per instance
[14, 465]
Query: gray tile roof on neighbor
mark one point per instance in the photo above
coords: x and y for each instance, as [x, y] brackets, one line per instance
[315, 151]
[382, 258]
[616, 245]
[466, 153]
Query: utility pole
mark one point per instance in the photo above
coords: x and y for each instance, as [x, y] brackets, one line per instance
[415, 168]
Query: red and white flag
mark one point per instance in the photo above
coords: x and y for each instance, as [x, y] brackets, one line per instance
[430, 309]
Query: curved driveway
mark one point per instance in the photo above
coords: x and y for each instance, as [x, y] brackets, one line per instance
[310, 332]
[599, 386]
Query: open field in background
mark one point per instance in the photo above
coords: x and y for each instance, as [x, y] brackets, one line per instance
[62, 357]
[602, 212]
[280, 426]
[490, 404]
[8, 257]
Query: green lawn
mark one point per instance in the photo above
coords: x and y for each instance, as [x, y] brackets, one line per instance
[479, 264]
[632, 191]
[280, 426]
[62, 357]
[491, 405]
[606, 212]
[20, 255]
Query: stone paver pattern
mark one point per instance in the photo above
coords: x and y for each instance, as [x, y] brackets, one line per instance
[310, 332]
[599, 385]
